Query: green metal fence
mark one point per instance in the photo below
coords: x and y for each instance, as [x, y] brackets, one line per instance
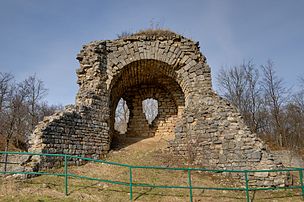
[131, 168]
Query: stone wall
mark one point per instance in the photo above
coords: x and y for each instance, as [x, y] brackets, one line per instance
[171, 69]
[289, 158]
[216, 137]
[71, 132]
[166, 118]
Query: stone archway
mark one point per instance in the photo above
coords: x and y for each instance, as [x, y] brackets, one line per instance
[145, 79]
[167, 67]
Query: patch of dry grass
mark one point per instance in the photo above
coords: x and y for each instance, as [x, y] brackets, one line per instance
[139, 152]
[155, 32]
[150, 33]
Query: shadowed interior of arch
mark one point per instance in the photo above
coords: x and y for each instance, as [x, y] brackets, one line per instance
[152, 95]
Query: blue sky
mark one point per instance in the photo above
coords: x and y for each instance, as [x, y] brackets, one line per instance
[43, 37]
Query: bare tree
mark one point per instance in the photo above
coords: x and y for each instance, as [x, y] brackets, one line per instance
[275, 95]
[252, 100]
[232, 83]
[240, 85]
[293, 124]
[5, 85]
[21, 107]
[44, 109]
[268, 107]
[294, 118]
[298, 97]
[5, 82]
[35, 91]
[13, 118]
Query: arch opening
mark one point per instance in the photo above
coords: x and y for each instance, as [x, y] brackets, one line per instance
[150, 109]
[122, 114]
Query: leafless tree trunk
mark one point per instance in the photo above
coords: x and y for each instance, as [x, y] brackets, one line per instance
[35, 91]
[294, 119]
[11, 116]
[275, 95]
[5, 88]
[253, 100]
[232, 83]
[5, 82]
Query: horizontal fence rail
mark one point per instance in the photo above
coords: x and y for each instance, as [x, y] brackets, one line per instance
[131, 169]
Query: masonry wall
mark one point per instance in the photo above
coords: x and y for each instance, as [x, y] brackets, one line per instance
[68, 132]
[215, 136]
[163, 124]
[81, 129]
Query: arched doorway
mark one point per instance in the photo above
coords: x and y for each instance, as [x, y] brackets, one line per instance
[147, 80]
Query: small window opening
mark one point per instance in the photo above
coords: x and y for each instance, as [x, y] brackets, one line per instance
[150, 109]
[122, 114]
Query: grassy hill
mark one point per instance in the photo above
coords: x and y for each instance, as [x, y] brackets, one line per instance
[132, 151]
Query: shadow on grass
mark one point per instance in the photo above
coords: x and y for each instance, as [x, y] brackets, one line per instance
[121, 141]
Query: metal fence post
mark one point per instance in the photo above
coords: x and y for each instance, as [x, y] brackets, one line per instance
[247, 186]
[131, 185]
[65, 175]
[301, 181]
[190, 184]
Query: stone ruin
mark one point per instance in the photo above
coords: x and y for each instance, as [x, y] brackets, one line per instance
[171, 69]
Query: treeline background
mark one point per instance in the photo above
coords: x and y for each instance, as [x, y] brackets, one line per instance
[269, 107]
[22, 106]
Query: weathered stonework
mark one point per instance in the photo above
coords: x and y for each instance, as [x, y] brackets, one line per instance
[172, 70]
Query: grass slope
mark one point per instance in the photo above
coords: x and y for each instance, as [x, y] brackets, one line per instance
[132, 151]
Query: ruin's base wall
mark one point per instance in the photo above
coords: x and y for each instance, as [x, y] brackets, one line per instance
[71, 132]
[212, 134]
